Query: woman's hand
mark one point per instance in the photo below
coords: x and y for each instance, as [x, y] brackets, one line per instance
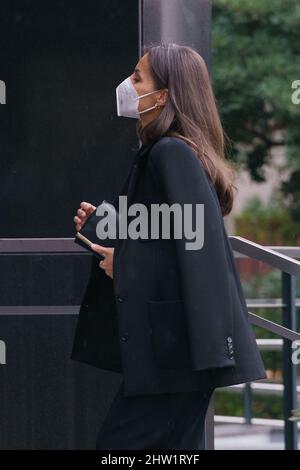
[82, 213]
[107, 263]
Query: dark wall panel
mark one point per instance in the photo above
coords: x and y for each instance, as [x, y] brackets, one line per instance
[61, 139]
[61, 142]
[47, 400]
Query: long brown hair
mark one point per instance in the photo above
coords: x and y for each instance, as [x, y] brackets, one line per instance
[190, 113]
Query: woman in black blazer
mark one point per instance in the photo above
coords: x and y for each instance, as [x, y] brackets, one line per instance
[168, 312]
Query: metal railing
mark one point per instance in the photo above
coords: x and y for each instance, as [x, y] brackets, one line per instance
[276, 257]
[290, 269]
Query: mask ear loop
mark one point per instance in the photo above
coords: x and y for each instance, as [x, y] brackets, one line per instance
[152, 107]
[149, 109]
[146, 94]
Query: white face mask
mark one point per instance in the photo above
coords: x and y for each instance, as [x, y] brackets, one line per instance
[127, 100]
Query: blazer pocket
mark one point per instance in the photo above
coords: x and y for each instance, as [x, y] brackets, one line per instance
[169, 333]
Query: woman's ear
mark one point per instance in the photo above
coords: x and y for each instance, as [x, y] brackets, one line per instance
[161, 100]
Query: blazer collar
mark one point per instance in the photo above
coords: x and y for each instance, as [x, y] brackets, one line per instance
[139, 160]
[143, 151]
[132, 178]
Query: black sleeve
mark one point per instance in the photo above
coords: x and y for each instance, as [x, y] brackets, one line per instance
[204, 272]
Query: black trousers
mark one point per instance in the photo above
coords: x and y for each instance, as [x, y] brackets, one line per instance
[167, 421]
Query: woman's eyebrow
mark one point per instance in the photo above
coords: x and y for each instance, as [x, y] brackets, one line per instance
[137, 71]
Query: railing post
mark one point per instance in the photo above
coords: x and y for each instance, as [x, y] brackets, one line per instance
[209, 428]
[289, 369]
[248, 403]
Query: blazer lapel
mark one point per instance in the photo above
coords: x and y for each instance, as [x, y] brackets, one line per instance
[139, 160]
[132, 178]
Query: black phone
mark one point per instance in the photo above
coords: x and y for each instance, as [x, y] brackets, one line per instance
[87, 234]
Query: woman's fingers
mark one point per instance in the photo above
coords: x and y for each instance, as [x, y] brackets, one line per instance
[102, 250]
[78, 223]
[107, 263]
[109, 273]
[87, 207]
[83, 212]
[80, 217]
[84, 205]
[108, 270]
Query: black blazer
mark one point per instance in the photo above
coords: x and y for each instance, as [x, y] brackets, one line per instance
[171, 319]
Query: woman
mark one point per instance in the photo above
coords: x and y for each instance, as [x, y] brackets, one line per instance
[173, 319]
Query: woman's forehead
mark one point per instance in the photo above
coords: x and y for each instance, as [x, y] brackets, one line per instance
[143, 64]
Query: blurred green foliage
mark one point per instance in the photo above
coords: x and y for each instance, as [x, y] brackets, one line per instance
[263, 406]
[266, 286]
[269, 224]
[256, 50]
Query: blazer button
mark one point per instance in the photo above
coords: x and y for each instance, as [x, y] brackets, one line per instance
[230, 352]
[120, 299]
[125, 337]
